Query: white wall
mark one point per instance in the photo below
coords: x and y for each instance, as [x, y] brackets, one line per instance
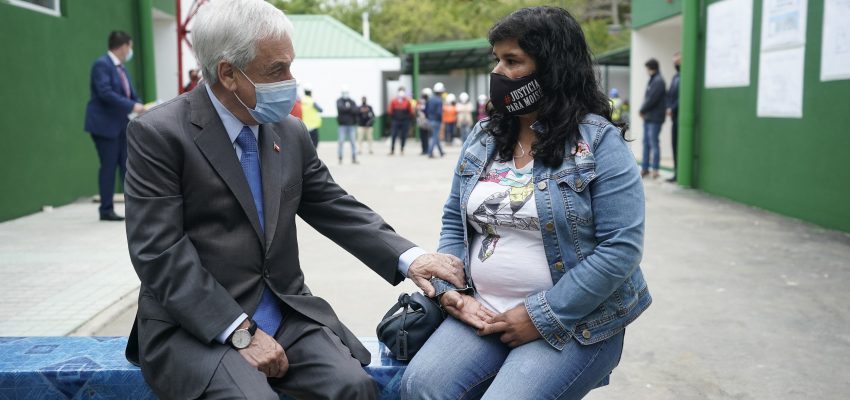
[165, 53]
[659, 41]
[326, 76]
[617, 77]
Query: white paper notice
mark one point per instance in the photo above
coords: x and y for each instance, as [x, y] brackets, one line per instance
[728, 43]
[835, 50]
[781, 83]
[783, 23]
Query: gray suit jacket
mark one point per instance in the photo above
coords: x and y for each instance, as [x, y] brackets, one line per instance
[196, 244]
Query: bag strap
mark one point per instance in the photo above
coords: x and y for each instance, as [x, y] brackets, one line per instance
[403, 301]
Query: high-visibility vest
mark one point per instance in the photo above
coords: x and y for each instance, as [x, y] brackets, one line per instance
[616, 109]
[309, 114]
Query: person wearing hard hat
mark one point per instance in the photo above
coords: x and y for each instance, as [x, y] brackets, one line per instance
[434, 113]
[422, 120]
[483, 102]
[464, 115]
[311, 114]
[450, 118]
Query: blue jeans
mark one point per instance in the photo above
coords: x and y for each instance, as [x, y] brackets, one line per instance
[450, 132]
[435, 138]
[456, 363]
[346, 132]
[651, 132]
[464, 132]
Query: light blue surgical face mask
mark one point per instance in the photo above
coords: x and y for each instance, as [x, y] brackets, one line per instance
[129, 55]
[274, 100]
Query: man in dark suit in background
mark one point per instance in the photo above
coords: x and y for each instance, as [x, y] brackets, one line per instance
[112, 99]
[215, 180]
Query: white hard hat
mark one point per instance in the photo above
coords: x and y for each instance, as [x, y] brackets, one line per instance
[307, 87]
[464, 97]
[450, 97]
[439, 87]
[427, 91]
[482, 98]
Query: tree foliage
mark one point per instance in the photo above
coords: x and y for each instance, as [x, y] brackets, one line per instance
[394, 23]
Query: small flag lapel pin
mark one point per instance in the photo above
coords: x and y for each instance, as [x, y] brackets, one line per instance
[276, 148]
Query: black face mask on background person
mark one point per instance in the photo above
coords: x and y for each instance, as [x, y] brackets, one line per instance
[515, 96]
[677, 67]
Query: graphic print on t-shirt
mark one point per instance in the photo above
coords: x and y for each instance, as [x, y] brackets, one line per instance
[500, 208]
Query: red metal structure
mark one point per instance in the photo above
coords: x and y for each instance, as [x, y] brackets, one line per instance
[183, 36]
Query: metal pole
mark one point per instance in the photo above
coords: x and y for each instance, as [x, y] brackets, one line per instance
[180, 33]
[415, 88]
[147, 50]
[688, 92]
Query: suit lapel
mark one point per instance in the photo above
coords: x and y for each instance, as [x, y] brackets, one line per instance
[213, 141]
[270, 165]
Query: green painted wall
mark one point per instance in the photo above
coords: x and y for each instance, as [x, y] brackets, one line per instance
[645, 12]
[796, 167]
[166, 6]
[47, 158]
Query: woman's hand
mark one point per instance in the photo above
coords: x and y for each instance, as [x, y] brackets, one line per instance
[515, 326]
[466, 309]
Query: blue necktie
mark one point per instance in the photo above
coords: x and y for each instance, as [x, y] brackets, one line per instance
[268, 315]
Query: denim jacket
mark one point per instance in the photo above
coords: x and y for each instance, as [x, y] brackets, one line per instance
[591, 210]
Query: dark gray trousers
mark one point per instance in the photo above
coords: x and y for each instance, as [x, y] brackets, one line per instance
[320, 367]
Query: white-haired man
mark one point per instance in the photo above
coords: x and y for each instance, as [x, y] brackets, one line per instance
[215, 179]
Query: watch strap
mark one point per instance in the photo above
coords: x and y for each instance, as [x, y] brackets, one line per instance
[252, 328]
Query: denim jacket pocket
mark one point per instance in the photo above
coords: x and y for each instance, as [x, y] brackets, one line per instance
[576, 195]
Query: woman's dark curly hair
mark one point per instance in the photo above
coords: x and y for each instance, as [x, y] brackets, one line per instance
[554, 39]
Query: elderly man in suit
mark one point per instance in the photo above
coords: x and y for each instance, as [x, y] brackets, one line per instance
[215, 179]
[112, 99]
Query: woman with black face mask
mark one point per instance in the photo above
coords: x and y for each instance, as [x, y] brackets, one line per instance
[547, 212]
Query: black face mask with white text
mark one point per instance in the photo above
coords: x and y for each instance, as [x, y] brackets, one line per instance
[515, 96]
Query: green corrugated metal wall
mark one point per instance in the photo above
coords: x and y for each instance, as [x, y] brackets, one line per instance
[796, 167]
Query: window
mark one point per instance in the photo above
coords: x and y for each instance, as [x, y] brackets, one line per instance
[46, 6]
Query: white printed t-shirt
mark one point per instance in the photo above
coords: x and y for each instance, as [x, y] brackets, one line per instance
[507, 259]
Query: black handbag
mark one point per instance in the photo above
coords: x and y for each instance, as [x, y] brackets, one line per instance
[408, 324]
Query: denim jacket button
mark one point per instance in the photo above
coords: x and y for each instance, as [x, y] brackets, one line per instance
[586, 334]
[462, 166]
[550, 226]
[579, 183]
[559, 266]
[541, 185]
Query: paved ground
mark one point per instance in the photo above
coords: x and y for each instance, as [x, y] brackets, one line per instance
[748, 304]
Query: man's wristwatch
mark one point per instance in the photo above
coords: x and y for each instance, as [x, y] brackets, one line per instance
[241, 338]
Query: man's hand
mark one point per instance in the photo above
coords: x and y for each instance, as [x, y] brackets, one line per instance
[266, 354]
[444, 266]
[466, 309]
[139, 108]
[515, 326]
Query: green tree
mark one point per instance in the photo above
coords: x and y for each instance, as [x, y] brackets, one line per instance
[394, 23]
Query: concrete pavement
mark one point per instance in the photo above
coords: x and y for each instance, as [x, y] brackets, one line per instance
[748, 304]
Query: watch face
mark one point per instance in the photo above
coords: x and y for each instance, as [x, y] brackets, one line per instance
[241, 339]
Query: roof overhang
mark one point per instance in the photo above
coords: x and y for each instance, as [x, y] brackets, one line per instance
[617, 57]
[440, 57]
